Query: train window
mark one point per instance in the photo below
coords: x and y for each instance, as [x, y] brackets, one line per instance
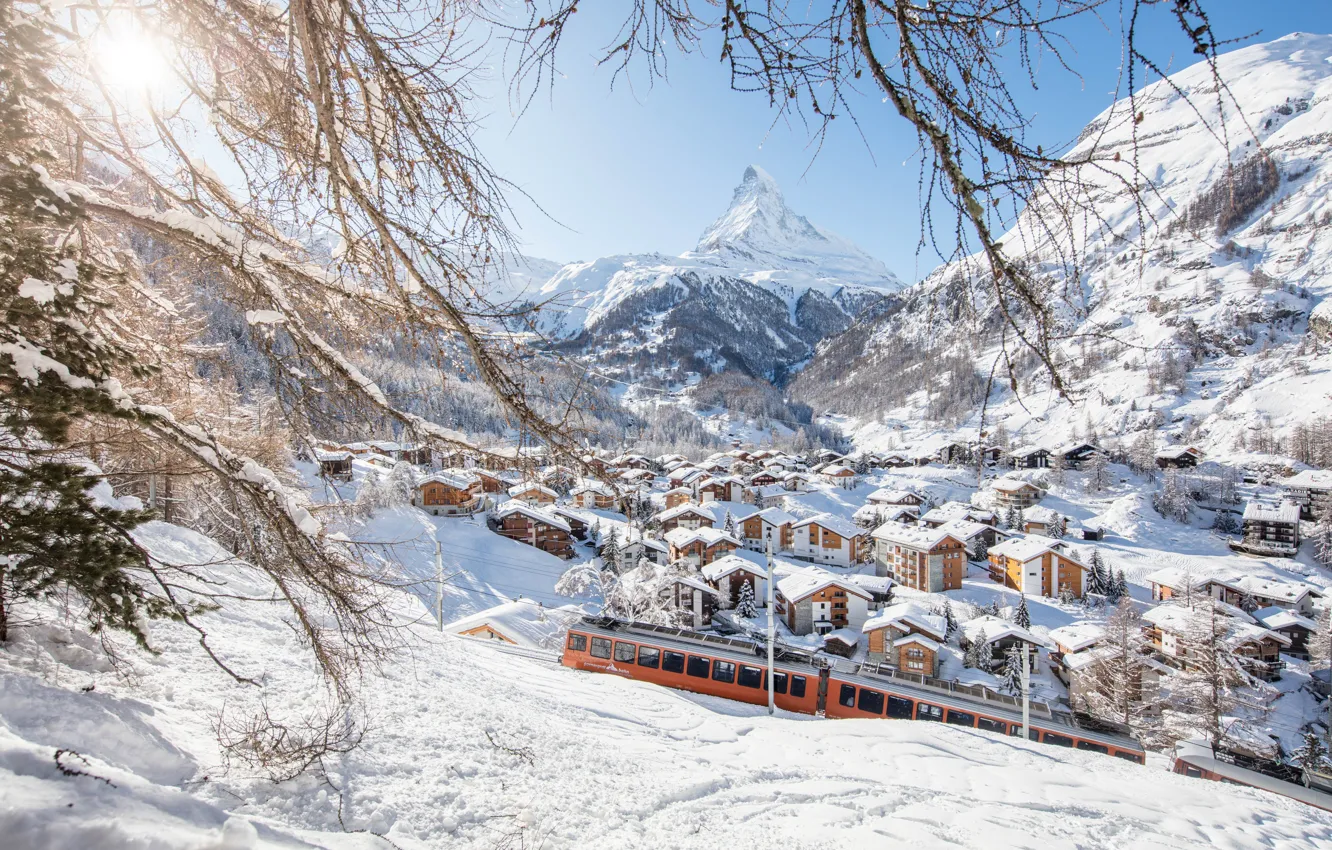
[925, 711]
[1090, 747]
[779, 683]
[624, 652]
[1127, 756]
[1057, 740]
[797, 687]
[649, 656]
[900, 708]
[698, 666]
[871, 701]
[992, 725]
[961, 718]
[578, 643]
[847, 697]
[1190, 770]
[752, 677]
[672, 662]
[723, 671]
[601, 647]
[1015, 731]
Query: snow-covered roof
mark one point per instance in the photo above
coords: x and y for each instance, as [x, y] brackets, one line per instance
[795, 476]
[722, 567]
[907, 616]
[1283, 618]
[679, 537]
[847, 637]
[592, 487]
[1078, 636]
[1176, 452]
[835, 524]
[1040, 515]
[1318, 479]
[955, 510]
[332, 457]
[964, 529]
[894, 496]
[1026, 547]
[514, 506]
[836, 470]
[913, 536]
[776, 516]
[1027, 451]
[919, 639]
[1011, 485]
[997, 629]
[872, 583]
[523, 621]
[456, 478]
[529, 486]
[1287, 512]
[694, 582]
[766, 490]
[810, 580]
[1178, 579]
[685, 510]
[1265, 588]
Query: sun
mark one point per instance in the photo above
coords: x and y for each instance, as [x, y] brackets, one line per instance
[131, 63]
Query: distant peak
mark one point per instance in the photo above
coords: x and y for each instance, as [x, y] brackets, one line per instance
[757, 176]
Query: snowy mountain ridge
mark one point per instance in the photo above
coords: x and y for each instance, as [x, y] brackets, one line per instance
[763, 286]
[1203, 321]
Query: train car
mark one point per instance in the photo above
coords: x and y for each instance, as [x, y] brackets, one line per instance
[718, 666]
[884, 693]
[1199, 760]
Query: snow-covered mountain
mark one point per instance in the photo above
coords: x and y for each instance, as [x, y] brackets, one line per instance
[762, 288]
[1209, 315]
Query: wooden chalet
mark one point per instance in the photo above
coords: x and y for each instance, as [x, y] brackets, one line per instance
[816, 601]
[1030, 457]
[592, 494]
[677, 496]
[490, 482]
[765, 478]
[1179, 457]
[688, 516]
[448, 493]
[931, 560]
[533, 493]
[525, 523]
[828, 539]
[768, 527]
[895, 496]
[1014, 493]
[700, 546]
[730, 573]
[1078, 454]
[336, 465]
[1037, 566]
[839, 474]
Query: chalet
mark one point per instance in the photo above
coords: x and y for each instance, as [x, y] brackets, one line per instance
[904, 619]
[1001, 636]
[335, 465]
[577, 524]
[720, 466]
[637, 477]
[829, 456]
[1075, 456]
[880, 588]
[890, 496]
[812, 600]
[688, 516]
[764, 478]
[593, 494]
[949, 511]
[700, 546]
[523, 622]
[796, 482]
[490, 481]
[1075, 637]
[828, 539]
[595, 463]
[406, 452]
[1030, 457]
[1014, 493]
[1269, 531]
[973, 535]
[656, 551]
[1080, 671]
[1173, 584]
[1258, 649]
[356, 448]
[525, 523]
[453, 491]
[1311, 489]
[925, 559]
[895, 460]
[1178, 457]
[631, 461]
[533, 493]
[1297, 628]
[677, 496]
[954, 453]
[842, 476]
[664, 460]
[728, 574]
[684, 476]
[916, 654]
[872, 516]
[719, 489]
[771, 496]
[1046, 521]
[1251, 592]
[1035, 566]
[692, 598]
[769, 527]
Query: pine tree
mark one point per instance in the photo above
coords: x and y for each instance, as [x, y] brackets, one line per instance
[1098, 471]
[1320, 642]
[1022, 619]
[1322, 540]
[55, 537]
[728, 525]
[981, 550]
[1172, 500]
[1121, 588]
[1142, 455]
[1116, 686]
[745, 607]
[984, 653]
[1312, 753]
[950, 620]
[1010, 676]
[1059, 527]
[971, 657]
[610, 551]
[1098, 578]
[1013, 519]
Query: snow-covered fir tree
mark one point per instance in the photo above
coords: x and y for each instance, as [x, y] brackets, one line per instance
[1022, 617]
[745, 606]
[1312, 752]
[1098, 471]
[971, 656]
[1172, 499]
[1010, 675]
[1142, 455]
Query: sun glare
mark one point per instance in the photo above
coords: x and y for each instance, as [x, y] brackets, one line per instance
[132, 64]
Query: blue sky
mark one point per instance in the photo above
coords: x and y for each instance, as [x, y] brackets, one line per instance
[639, 169]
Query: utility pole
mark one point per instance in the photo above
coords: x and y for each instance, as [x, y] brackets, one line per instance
[772, 634]
[1026, 692]
[439, 584]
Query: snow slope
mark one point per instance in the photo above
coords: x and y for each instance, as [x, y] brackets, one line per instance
[1238, 292]
[591, 760]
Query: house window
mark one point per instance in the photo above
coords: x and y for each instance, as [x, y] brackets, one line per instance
[601, 647]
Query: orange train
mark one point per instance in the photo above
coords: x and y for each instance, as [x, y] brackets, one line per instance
[733, 669]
